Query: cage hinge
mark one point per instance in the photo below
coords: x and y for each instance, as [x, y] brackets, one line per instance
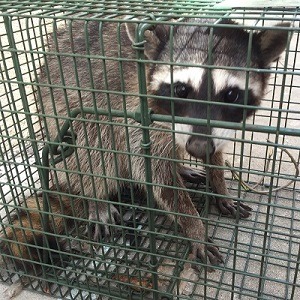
[63, 146]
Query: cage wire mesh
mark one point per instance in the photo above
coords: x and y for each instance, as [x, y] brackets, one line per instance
[93, 156]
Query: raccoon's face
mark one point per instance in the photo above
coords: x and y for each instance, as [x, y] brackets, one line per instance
[224, 99]
[214, 85]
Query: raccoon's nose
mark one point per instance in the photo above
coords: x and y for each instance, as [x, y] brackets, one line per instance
[199, 146]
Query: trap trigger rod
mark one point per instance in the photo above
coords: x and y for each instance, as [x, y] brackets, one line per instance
[247, 187]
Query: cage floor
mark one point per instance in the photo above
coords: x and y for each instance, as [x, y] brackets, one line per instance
[260, 258]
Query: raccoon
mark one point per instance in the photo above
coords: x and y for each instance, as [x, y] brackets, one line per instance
[84, 72]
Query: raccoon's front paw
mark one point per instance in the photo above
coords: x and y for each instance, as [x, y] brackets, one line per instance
[207, 253]
[230, 208]
[100, 222]
[192, 175]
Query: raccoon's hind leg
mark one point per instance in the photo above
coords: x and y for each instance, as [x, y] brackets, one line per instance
[101, 216]
[217, 181]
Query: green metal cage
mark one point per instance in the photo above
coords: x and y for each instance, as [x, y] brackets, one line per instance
[146, 257]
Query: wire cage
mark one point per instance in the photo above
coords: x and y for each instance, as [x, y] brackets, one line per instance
[90, 173]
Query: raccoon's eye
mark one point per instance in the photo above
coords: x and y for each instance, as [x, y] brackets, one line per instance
[181, 90]
[232, 95]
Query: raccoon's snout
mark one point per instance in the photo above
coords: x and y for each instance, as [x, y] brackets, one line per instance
[199, 147]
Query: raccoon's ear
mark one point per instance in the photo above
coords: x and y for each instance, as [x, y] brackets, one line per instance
[156, 37]
[272, 43]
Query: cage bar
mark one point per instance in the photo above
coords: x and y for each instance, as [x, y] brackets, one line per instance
[146, 255]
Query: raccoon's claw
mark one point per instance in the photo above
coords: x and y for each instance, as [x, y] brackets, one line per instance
[228, 207]
[99, 224]
[210, 254]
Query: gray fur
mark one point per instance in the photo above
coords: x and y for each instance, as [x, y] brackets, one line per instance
[191, 45]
